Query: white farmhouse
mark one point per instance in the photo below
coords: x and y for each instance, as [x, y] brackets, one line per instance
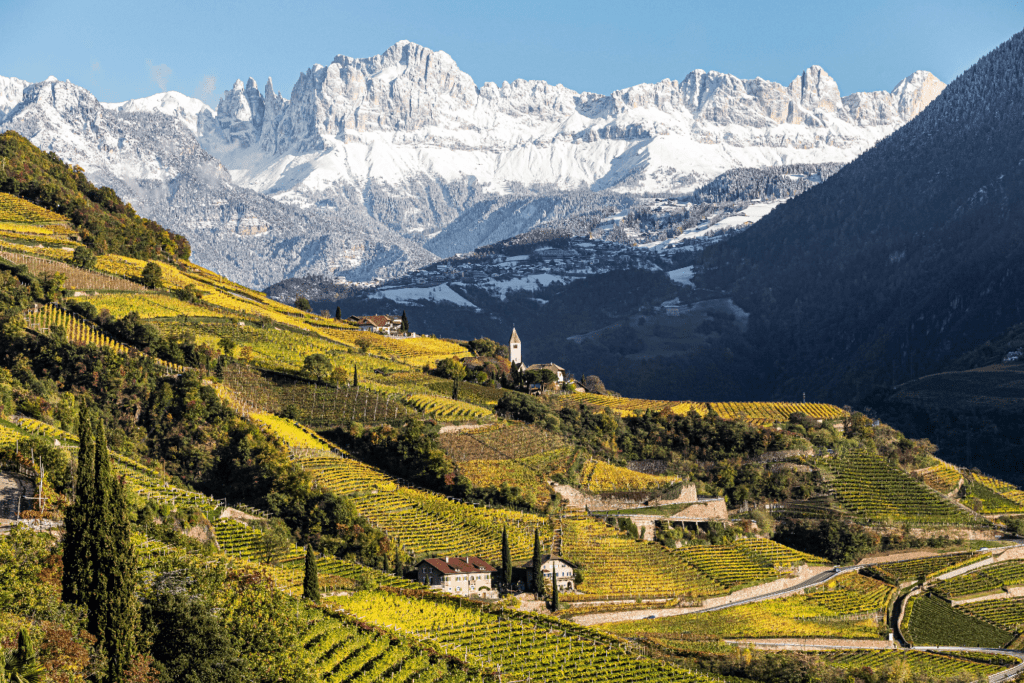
[459, 575]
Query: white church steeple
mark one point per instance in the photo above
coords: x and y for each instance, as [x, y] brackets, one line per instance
[515, 348]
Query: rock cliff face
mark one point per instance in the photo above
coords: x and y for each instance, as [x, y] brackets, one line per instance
[410, 123]
[147, 152]
[371, 158]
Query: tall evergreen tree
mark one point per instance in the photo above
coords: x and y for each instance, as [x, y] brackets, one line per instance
[77, 563]
[121, 618]
[310, 580]
[99, 525]
[506, 559]
[405, 323]
[355, 376]
[538, 575]
[554, 591]
[337, 313]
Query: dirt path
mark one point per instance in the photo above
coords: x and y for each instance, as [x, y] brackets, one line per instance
[447, 429]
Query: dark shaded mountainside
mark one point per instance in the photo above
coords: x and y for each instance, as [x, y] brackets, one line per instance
[901, 264]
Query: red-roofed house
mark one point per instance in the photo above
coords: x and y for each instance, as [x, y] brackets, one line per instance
[460, 575]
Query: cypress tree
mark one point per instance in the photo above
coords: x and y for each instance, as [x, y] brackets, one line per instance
[554, 590]
[310, 580]
[506, 559]
[77, 562]
[538, 575]
[405, 323]
[355, 376]
[121, 618]
[337, 313]
[99, 536]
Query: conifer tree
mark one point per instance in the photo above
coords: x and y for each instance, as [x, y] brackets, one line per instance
[310, 580]
[99, 557]
[405, 323]
[337, 313]
[506, 559]
[355, 376]
[538, 575]
[121, 618]
[554, 590]
[77, 563]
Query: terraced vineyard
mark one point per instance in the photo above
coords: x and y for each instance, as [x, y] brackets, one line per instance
[143, 481]
[924, 567]
[930, 621]
[148, 305]
[729, 567]
[317, 405]
[769, 413]
[43, 319]
[943, 478]
[77, 278]
[527, 474]
[944, 665]
[617, 566]
[344, 652]
[772, 554]
[981, 491]
[525, 647]
[631, 406]
[1007, 614]
[415, 351]
[598, 476]
[849, 606]
[446, 408]
[17, 210]
[875, 491]
[988, 579]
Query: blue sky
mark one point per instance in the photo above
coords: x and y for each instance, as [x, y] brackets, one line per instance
[122, 50]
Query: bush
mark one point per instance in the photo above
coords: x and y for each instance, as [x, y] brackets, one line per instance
[152, 275]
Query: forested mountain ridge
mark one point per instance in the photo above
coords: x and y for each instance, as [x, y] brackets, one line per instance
[903, 260]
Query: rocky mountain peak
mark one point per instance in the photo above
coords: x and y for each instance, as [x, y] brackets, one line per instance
[916, 92]
[814, 90]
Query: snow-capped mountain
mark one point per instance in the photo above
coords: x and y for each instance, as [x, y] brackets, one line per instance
[154, 160]
[376, 166]
[410, 123]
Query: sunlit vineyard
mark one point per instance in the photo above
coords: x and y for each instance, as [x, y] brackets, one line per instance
[982, 496]
[446, 408]
[18, 210]
[272, 347]
[943, 478]
[772, 554]
[497, 442]
[148, 305]
[1006, 614]
[415, 351]
[941, 665]
[924, 567]
[849, 606]
[873, 490]
[602, 477]
[527, 474]
[768, 413]
[316, 405]
[45, 319]
[522, 646]
[1003, 488]
[630, 406]
[77, 278]
[991, 578]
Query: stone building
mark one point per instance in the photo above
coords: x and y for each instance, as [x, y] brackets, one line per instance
[459, 575]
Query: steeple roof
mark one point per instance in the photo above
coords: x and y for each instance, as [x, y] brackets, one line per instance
[515, 337]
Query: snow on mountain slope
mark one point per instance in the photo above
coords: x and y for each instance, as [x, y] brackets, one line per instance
[410, 122]
[10, 93]
[153, 159]
[173, 104]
